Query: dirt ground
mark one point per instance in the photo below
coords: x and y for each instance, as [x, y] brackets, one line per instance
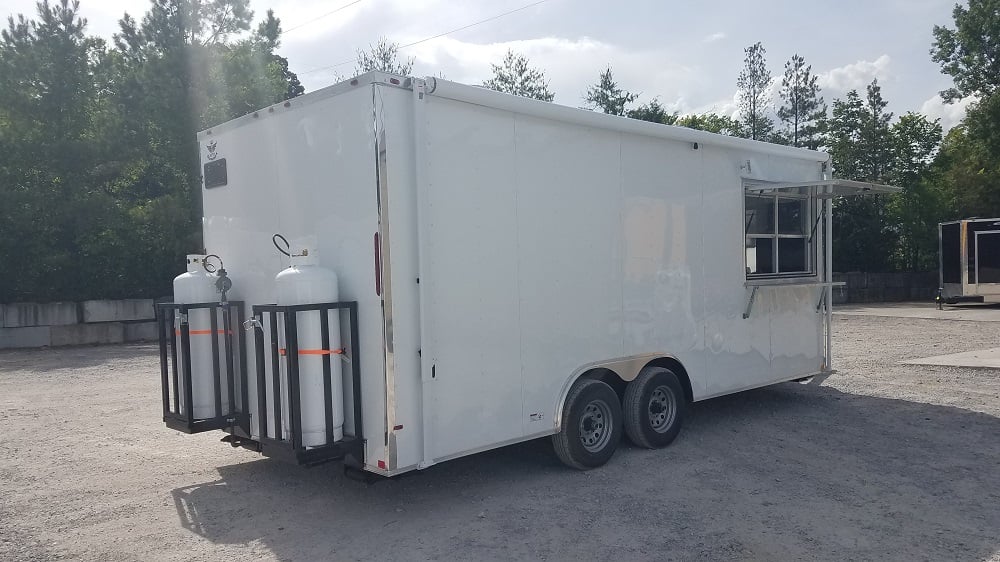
[880, 461]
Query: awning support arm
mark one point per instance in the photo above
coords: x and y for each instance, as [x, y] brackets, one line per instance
[753, 296]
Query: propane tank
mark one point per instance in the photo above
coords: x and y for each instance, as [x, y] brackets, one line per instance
[198, 286]
[305, 282]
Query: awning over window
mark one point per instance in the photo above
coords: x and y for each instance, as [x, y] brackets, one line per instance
[821, 189]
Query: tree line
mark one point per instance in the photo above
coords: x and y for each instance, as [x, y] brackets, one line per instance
[99, 167]
[99, 175]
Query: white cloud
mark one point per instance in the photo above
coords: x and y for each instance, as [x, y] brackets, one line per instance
[730, 107]
[718, 36]
[571, 65]
[855, 76]
[950, 114]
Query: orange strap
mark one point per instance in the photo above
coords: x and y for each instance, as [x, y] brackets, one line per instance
[203, 332]
[283, 351]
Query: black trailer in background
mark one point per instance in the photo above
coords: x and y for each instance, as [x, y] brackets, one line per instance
[970, 260]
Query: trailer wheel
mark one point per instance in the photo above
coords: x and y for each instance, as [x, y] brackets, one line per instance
[653, 408]
[591, 425]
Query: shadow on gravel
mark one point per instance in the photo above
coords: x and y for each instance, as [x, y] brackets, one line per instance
[790, 472]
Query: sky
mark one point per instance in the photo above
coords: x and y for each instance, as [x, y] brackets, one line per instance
[687, 54]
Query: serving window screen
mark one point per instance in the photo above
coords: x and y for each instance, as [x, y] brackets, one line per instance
[778, 229]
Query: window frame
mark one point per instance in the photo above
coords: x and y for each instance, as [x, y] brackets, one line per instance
[775, 236]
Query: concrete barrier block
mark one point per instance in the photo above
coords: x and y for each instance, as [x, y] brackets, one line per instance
[118, 310]
[876, 280]
[140, 331]
[24, 314]
[33, 336]
[80, 334]
[898, 280]
[894, 294]
[840, 295]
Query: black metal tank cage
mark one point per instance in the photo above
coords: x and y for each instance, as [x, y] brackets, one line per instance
[175, 375]
[176, 378]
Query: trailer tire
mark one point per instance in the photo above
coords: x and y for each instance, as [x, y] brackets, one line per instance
[591, 425]
[653, 408]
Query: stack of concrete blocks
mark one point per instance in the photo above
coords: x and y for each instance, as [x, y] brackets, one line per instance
[884, 287]
[73, 323]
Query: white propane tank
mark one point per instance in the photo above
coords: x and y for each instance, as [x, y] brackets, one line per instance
[305, 282]
[198, 286]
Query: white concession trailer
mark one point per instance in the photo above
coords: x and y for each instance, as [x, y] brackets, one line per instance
[470, 269]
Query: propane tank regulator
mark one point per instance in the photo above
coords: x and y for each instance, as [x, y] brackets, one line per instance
[223, 284]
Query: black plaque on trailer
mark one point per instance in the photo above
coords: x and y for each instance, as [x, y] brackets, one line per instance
[215, 174]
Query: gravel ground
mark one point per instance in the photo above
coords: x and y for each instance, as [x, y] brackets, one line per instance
[880, 461]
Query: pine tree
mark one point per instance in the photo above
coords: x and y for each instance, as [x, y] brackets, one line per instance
[876, 143]
[383, 56]
[754, 84]
[803, 110]
[515, 76]
[607, 96]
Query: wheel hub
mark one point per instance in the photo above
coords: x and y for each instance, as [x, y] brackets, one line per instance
[595, 425]
[662, 409]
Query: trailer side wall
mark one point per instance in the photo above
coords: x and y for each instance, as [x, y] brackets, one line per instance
[548, 245]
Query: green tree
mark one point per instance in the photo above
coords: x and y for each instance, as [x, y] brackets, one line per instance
[863, 239]
[969, 166]
[713, 123]
[99, 176]
[50, 168]
[266, 41]
[754, 85]
[914, 142]
[845, 136]
[383, 56]
[970, 52]
[969, 162]
[803, 110]
[653, 111]
[917, 210]
[875, 137]
[607, 96]
[515, 76]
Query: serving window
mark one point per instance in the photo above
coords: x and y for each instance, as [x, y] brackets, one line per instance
[778, 230]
